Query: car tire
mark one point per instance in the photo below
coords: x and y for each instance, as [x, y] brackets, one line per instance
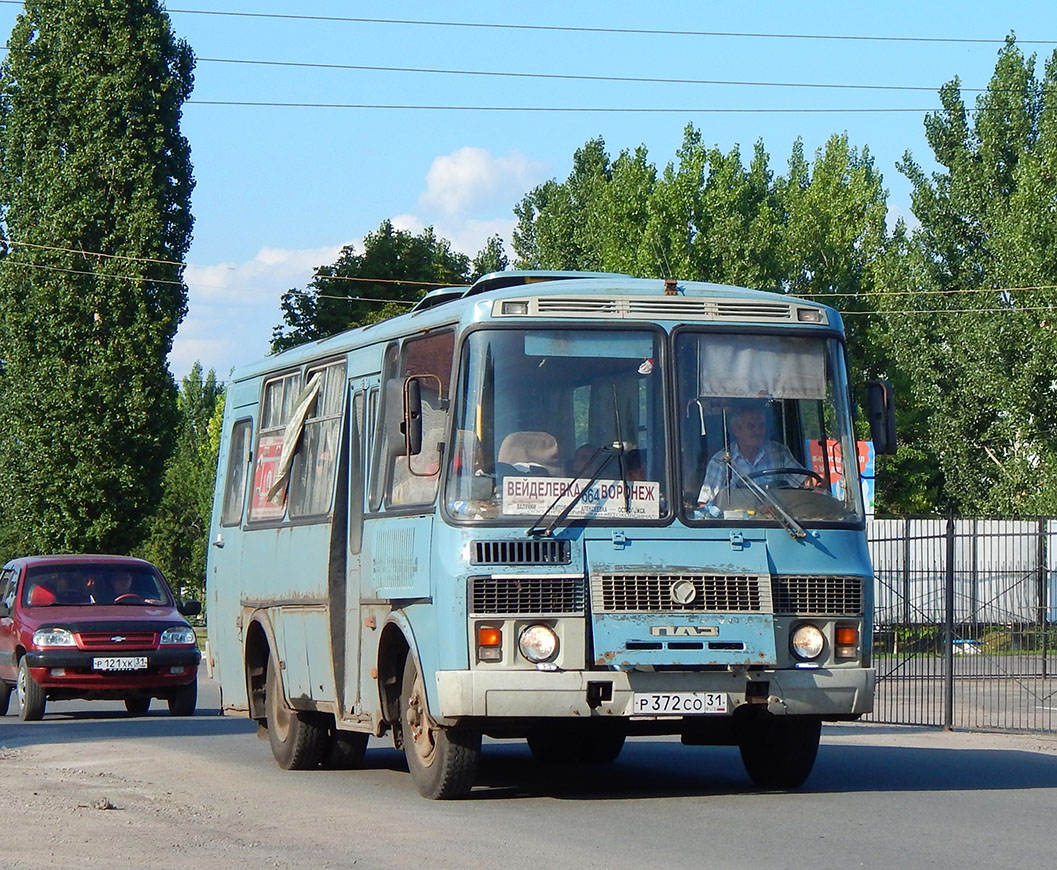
[5, 698]
[32, 699]
[137, 705]
[297, 738]
[183, 700]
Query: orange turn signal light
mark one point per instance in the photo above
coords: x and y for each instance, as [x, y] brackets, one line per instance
[489, 636]
[847, 635]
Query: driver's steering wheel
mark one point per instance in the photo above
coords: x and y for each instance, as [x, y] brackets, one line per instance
[800, 472]
[129, 598]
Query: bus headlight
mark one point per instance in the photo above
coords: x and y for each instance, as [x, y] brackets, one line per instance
[807, 642]
[538, 643]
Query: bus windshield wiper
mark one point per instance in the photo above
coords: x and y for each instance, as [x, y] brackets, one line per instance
[616, 449]
[787, 520]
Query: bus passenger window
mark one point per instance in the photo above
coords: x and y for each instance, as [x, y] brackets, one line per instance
[238, 465]
[312, 478]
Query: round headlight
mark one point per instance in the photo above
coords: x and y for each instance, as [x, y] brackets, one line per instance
[538, 643]
[807, 642]
[44, 637]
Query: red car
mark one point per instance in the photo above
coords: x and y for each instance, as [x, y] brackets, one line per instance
[94, 627]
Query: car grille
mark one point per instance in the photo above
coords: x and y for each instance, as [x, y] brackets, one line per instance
[713, 593]
[542, 596]
[818, 596]
[109, 640]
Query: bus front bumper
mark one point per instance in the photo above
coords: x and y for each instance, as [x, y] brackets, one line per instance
[835, 692]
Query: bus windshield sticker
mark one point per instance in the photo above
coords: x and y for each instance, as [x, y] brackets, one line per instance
[603, 499]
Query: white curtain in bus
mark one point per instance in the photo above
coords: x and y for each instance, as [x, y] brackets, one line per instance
[762, 367]
[292, 434]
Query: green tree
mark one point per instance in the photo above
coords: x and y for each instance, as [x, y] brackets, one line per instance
[491, 258]
[395, 266]
[179, 529]
[95, 185]
[978, 346]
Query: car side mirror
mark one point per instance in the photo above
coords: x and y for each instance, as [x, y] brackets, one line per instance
[882, 417]
[189, 608]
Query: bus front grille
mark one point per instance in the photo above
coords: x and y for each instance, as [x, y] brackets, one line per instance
[537, 596]
[711, 593]
[549, 552]
[818, 596]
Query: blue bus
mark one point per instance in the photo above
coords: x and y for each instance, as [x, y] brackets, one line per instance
[566, 507]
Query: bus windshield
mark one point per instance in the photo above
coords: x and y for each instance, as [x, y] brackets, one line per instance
[765, 432]
[559, 422]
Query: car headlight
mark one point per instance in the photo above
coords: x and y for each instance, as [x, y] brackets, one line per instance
[182, 635]
[538, 643]
[807, 642]
[45, 637]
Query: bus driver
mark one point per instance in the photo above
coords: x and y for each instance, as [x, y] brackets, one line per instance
[750, 454]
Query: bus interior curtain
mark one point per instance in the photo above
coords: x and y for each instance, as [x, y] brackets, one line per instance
[762, 366]
[292, 433]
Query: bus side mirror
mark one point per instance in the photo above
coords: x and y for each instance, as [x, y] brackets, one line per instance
[403, 416]
[882, 416]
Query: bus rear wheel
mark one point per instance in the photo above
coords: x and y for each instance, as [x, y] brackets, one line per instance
[779, 753]
[297, 739]
[442, 761]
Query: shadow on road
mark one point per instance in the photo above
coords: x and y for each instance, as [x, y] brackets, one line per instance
[667, 769]
[78, 727]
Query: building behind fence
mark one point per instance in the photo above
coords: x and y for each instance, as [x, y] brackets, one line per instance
[965, 628]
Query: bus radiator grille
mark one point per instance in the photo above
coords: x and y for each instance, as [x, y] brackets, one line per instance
[818, 596]
[711, 593]
[539, 596]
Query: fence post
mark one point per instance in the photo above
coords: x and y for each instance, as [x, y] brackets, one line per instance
[1043, 576]
[906, 571]
[948, 630]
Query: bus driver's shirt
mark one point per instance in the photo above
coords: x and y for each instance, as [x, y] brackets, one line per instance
[772, 455]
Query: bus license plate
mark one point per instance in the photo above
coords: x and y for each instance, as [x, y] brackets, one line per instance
[678, 703]
[123, 663]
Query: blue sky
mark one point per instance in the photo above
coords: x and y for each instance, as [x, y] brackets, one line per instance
[281, 189]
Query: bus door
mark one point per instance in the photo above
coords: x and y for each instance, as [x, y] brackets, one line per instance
[345, 600]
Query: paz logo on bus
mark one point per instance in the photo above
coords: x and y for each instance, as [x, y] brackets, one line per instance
[684, 630]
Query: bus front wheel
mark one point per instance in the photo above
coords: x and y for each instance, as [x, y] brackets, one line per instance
[442, 761]
[779, 753]
[298, 741]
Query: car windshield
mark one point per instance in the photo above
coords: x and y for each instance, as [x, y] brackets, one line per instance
[556, 425]
[92, 584]
[765, 431]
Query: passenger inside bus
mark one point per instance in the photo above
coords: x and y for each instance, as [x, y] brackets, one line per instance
[752, 454]
[531, 452]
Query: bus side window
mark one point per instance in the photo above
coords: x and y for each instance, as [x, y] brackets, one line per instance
[413, 479]
[356, 454]
[312, 479]
[237, 468]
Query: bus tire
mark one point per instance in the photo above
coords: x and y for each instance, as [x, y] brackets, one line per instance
[576, 748]
[297, 739]
[345, 750]
[32, 699]
[442, 761]
[779, 753]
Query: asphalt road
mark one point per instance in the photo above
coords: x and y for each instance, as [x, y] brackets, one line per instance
[91, 787]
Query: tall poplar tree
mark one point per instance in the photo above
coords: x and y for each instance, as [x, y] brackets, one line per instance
[95, 185]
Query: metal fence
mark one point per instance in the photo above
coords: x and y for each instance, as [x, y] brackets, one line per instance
[965, 632]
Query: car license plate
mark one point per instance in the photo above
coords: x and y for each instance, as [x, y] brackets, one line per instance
[678, 703]
[122, 663]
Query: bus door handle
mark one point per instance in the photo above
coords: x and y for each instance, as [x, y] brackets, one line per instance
[219, 542]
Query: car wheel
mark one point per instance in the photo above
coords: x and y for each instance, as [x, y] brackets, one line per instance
[297, 738]
[137, 705]
[182, 701]
[31, 697]
[442, 761]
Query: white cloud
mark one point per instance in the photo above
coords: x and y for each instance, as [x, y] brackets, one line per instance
[472, 179]
[233, 307]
